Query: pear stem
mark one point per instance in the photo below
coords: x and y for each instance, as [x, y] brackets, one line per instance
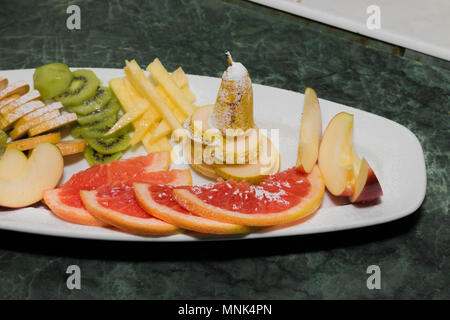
[229, 59]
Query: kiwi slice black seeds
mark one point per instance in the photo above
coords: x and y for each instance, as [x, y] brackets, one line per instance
[83, 86]
[94, 157]
[98, 110]
[98, 101]
[110, 145]
[110, 109]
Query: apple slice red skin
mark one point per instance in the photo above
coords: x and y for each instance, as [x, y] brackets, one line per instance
[372, 188]
[348, 188]
[349, 191]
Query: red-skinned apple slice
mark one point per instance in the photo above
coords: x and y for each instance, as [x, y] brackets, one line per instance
[337, 157]
[344, 173]
[310, 132]
[367, 186]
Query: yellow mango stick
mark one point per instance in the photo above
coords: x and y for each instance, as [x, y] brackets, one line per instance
[128, 96]
[180, 78]
[160, 74]
[189, 94]
[134, 113]
[139, 132]
[149, 147]
[148, 90]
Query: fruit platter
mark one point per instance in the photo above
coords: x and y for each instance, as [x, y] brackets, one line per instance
[147, 154]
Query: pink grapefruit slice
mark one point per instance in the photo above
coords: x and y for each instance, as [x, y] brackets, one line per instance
[159, 202]
[282, 197]
[65, 201]
[115, 204]
[144, 226]
[66, 204]
[124, 169]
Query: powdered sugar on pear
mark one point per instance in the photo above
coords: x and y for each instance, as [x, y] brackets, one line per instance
[236, 72]
[234, 104]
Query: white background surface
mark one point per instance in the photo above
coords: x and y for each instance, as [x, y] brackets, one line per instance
[392, 150]
[421, 25]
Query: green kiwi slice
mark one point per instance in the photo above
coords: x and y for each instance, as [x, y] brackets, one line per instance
[76, 132]
[100, 133]
[89, 132]
[104, 123]
[101, 98]
[110, 145]
[95, 130]
[86, 133]
[94, 157]
[52, 79]
[82, 87]
[110, 109]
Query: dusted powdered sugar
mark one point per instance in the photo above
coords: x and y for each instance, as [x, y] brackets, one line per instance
[233, 100]
[235, 72]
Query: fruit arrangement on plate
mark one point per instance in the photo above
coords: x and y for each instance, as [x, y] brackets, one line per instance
[72, 112]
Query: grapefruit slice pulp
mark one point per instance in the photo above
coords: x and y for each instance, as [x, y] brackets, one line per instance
[65, 201]
[280, 198]
[159, 202]
[124, 169]
[115, 204]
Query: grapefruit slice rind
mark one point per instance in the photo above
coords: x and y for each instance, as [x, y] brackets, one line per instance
[308, 205]
[140, 226]
[115, 204]
[80, 215]
[155, 161]
[180, 177]
[141, 167]
[183, 220]
[69, 213]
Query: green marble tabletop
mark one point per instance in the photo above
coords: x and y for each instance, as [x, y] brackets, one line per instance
[279, 50]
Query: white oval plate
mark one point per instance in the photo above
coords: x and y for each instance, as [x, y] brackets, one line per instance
[393, 151]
